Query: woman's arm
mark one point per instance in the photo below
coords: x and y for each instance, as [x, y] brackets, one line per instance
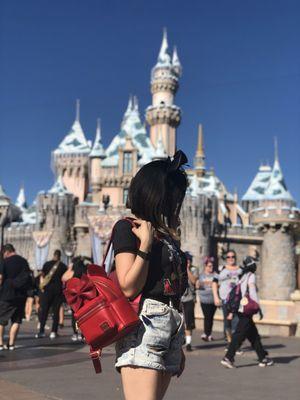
[67, 275]
[132, 270]
[217, 300]
[192, 278]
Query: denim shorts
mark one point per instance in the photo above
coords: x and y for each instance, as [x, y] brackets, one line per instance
[156, 343]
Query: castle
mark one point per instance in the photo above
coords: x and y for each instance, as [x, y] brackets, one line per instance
[91, 187]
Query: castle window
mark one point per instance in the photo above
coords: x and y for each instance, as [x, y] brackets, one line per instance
[127, 162]
[125, 195]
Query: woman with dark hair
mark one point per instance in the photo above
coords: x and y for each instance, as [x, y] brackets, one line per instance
[149, 263]
[206, 297]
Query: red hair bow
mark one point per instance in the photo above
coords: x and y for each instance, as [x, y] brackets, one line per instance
[78, 291]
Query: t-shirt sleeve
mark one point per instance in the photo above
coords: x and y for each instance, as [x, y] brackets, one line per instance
[124, 240]
[216, 278]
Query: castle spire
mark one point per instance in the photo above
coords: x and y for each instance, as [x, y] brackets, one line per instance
[199, 161]
[77, 110]
[163, 56]
[135, 104]
[176, 62]
[98, 150]
[276, 158]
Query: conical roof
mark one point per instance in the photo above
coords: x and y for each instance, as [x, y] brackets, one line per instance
[164, 58]
[277, 189]
[256, 191]
[4, 199]
[98, 149]
[131, 126]
[21, 199]
[75, 141]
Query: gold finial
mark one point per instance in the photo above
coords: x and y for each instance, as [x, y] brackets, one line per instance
[200, 147]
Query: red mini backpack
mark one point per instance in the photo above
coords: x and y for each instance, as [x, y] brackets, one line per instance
[102, 312]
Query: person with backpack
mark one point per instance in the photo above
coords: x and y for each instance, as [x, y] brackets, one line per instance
[227, 278]
[15, 278]
[150, 263]
[51, 293]
[245, 300]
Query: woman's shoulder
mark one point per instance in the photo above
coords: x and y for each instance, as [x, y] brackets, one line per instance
[123, 225]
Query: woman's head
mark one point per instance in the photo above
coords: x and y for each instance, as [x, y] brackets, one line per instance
[157, 191]
[209, 264]
[231, 257]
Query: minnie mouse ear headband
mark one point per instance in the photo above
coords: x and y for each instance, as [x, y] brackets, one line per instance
[178, 161]
[188, 256]
[208, 260]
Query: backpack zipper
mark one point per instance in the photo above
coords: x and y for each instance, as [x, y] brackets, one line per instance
[90, 312]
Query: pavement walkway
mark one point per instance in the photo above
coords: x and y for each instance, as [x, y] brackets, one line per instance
[40, 369]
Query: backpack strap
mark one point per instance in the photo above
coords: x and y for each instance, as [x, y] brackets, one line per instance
[109, 250]
[135, 303]
[95, 355]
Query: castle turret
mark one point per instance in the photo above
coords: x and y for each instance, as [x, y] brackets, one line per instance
[163, 115]
[277, 217]
[199, 160]
[96, 156]
[71, 159]
[55, 211]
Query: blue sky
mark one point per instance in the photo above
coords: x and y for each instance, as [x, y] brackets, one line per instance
[241, 80]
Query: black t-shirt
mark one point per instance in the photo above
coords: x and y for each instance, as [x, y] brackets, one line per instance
[55, 283]
[11, 269]
[167, 273]
[79, 269]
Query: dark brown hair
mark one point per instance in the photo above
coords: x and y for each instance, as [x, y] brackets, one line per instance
[157, 191]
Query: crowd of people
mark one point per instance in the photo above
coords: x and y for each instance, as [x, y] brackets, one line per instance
[21, 292]
[227, 288]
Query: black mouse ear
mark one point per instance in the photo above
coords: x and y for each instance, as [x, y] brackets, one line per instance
[179, 159]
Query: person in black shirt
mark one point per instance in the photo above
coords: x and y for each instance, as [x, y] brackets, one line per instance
[150, 263]
[14, 284]
[51, 294]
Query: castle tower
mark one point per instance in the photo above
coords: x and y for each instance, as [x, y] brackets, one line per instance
[277, 217]
[96, 156]
[55, 211]
[199, 160]
[71, 159]
[163, 115]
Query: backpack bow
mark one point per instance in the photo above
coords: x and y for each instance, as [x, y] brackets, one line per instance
[79, 291]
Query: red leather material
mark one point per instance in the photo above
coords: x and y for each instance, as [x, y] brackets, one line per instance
[103, 314]
[80, 291]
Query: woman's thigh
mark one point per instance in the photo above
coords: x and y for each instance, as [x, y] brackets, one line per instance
[152, 383]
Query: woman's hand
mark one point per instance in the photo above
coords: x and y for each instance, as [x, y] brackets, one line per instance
[217, 302]
[144, 231]
[182, 364]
